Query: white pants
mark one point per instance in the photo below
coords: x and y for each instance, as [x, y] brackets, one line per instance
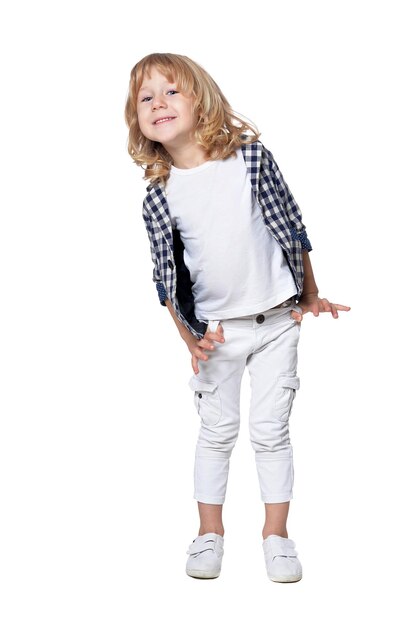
[267, 343]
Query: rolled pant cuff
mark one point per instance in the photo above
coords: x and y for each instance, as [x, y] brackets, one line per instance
[277, 498]
[209, 499]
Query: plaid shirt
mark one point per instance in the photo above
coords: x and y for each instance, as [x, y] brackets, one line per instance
[281, 216]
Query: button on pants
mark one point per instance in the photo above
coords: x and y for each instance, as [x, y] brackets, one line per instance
[267, 344]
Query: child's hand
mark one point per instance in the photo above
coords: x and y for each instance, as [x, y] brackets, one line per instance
[311, 302]
[197, 346]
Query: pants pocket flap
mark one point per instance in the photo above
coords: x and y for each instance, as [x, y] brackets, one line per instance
[199, 385]
[289, 381]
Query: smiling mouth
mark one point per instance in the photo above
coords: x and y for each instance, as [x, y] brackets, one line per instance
[164, 120]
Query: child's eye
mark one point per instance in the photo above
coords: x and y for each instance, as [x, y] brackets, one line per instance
[146, 97]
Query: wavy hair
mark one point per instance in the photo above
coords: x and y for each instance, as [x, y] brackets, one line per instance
[219, 129]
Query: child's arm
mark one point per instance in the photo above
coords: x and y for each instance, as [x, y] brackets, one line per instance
[310, 300]
[298, 230]
[196, 346]
[184, 332]
[148, 223]
[309, 285]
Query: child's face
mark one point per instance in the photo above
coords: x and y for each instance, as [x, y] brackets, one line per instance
[157, 99]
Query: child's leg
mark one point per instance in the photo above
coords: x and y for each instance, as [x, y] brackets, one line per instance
[217, 400]
[210, 518]
[276, 519]
[273, 373]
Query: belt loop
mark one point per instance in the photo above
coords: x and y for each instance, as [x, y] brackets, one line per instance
[212, 325]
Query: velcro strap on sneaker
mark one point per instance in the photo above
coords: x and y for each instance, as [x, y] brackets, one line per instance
[199, 546]
[282, 548]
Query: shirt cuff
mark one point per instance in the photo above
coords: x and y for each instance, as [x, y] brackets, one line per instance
[301, 235]
[161, 293]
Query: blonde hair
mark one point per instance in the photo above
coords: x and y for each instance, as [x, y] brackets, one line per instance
[215, 131]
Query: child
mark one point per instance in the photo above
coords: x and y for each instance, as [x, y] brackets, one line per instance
[231, 263]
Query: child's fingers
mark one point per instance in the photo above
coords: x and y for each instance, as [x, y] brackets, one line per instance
[215, 336]
[298, 317]
[333, 308]
[326, 304]
[342, 307]
[199, 354]
[219, 334]
[206, 343]
[219, 337]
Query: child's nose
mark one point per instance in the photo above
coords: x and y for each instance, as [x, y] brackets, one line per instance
[158, 101]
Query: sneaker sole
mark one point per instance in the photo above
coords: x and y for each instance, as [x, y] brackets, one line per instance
[195, 573]
[285, 579]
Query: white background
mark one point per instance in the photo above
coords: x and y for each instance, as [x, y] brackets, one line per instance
[98, 425]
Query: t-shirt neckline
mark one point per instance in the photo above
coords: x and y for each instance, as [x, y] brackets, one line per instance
[191, 170]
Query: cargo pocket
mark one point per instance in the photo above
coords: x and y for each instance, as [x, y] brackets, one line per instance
[286, 390]
[206, 400]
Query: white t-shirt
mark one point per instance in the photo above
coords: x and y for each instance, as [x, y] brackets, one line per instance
[236, 265]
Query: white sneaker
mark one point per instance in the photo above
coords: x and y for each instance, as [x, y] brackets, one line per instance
[206, 553]
[281, 561]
